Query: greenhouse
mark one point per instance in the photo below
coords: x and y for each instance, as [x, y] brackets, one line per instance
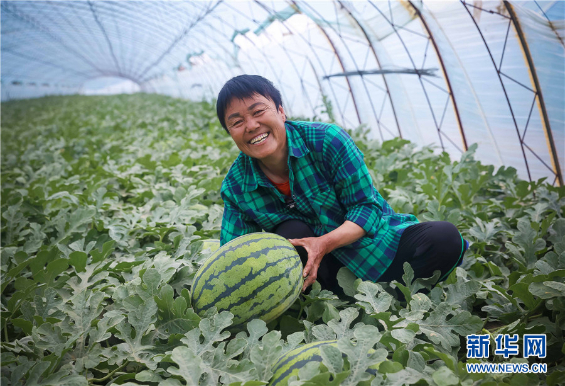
[115, 169]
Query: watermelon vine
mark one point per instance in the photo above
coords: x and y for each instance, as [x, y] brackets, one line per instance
[106, 202]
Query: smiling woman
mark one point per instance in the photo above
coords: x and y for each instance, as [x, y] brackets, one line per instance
[257, 127]
[308, 182]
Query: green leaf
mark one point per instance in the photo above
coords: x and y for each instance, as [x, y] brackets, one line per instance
[107, 249]
[449, 360]
[521, 291]
[190, 365]
[174, 316]
[264, 356]
[289, 325]
[152, 279]
[342, 326]
[212, 329]
[527, 239]
[49, 337]
[110, 319]
[78, 260]
[332, 358]
[406, 376]
[348, 281]
[403, 335]
[50, 275]
[25, 325]
[373, 298]
[445, 377]
[416, 361]
[556, 378]
[323, 379]
[257, 328]
[446, 332]
[359, 356]
[309, 370]
[388, 367]
[547, 289]
[330, 313]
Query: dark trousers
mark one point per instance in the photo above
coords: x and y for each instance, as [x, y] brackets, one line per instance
[327, 272]
[429, 246]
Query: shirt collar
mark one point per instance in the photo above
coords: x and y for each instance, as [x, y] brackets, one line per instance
[254, 175]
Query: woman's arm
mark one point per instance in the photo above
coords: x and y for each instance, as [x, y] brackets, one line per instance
[318, 247]
[344, 165]
[347, 233]
[351, 180]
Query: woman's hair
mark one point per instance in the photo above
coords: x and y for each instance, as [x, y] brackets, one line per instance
[245, 86]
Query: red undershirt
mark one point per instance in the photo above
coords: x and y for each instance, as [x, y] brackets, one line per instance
[284, 188]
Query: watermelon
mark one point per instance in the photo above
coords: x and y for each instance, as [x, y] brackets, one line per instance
[256, 276]
[290, 363]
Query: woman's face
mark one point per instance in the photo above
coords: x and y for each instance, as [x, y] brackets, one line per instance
[256, 126]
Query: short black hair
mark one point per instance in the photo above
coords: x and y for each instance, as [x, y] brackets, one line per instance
[245, 86]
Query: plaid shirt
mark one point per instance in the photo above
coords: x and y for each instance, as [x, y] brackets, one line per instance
[329, 183]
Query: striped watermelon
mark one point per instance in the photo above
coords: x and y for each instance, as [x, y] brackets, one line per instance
[291, 362]
[258, 275]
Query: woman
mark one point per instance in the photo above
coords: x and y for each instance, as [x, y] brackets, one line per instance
[308, 182]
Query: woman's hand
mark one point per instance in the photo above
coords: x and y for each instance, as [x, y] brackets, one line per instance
[317, 249]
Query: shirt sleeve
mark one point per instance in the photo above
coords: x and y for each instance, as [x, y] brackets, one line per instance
[352, 181]
[235, 223]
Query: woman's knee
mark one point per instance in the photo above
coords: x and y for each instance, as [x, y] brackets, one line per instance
[294, 229]
[449, 246]
[445, 236]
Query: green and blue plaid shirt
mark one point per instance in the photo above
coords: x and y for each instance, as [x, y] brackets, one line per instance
[329, 183]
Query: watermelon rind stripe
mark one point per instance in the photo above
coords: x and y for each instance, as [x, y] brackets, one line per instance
[206, 284]
[242, 259]
[253, 294]
[236, 244]
[276, 310]
[257, 275]
[297, 358]
[297, 361]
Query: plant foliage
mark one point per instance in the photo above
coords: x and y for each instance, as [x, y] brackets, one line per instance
[105, 202]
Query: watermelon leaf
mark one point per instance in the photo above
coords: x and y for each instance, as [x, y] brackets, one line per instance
[359, 356]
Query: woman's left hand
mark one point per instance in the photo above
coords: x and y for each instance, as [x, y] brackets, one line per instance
[317, 249]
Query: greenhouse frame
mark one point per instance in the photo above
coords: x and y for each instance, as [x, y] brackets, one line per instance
[282, 193]
[448, 73]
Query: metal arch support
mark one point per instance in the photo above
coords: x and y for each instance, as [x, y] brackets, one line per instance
[379, 63]
[27, 57]
[267, 61]
[445, 74]
[176, 41]
[343, 68]
[503, 89]
[35, 24]
[271, 12]
[119, 70]
[316, 56]
[340, 64]
[437, 125]
[541, 104]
